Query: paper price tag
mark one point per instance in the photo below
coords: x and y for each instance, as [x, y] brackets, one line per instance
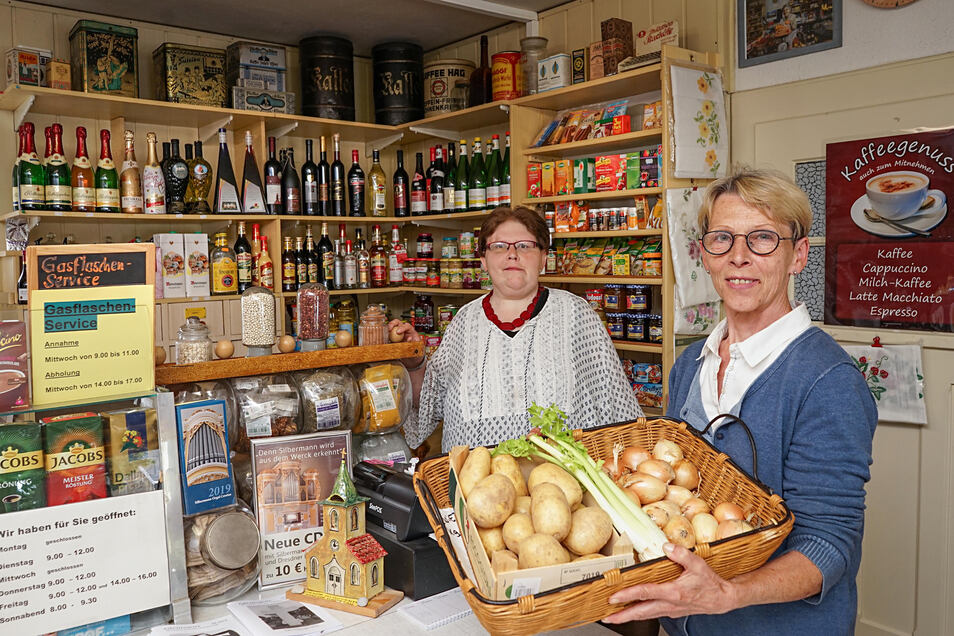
[259, 427]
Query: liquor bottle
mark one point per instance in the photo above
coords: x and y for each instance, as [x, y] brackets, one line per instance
[315, 272]
[504, 175]
[324, 180]
[364, 261]
[253, 194]
[419, 188]
[378, 259]
[450, 180]
[493, 173]
[477, 185]
[266, 270]
[481, 88]
[291, 185]
[350, 267]
[256, 253]
[551, 262]
[289, 271]
[226, 190]
[325, 251]
[243, 259]
[273, 181]
[130, 181]
[377, 186]
[301, 261]
[463, 180]
[16, 170]
[200, 182]
[107, 179]
[309, 181]
[436, 188]
[339, 275]
[356, 187]
[337, 181]
[82, 179]
[428, 173]
[23, 293]
[400, 187]
[166, 158]
[224, 266]
[176, 175]
[153, 183]
[396, 257]
[58, 191]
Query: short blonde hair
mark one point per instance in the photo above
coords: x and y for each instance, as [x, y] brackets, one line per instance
[770, 191]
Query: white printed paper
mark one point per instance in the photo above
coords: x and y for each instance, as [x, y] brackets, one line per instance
[288, 618]
[222, 626]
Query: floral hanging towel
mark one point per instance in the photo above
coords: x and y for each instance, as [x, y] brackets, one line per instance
[700, 133]
[895, 378]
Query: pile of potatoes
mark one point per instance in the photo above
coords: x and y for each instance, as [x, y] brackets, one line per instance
[530, 523]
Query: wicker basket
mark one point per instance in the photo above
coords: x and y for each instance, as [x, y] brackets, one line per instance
[588, 601]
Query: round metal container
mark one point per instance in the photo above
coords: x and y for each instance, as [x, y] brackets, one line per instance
[446, 83]
[505, 73]
[327, 77]
[398, 84]
[230, 541]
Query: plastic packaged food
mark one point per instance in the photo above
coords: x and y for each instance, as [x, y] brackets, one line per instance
[221, 554]
[388, 448]
[268, 406]
[386, 397]
[329, 399]
[373, 329]
[193, 343]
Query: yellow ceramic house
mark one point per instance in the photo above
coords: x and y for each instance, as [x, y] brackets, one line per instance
[346, 562]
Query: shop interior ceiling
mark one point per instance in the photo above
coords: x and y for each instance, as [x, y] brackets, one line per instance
[430, 23]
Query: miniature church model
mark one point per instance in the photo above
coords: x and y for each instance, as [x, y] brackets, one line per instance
[347, 563]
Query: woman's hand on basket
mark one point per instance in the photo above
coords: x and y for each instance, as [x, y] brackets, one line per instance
[698, 590]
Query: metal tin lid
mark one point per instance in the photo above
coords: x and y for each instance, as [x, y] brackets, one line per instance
[230, 541]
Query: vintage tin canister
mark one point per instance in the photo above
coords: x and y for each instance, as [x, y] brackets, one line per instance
[265, 101]
[505, 71]
[190, 74]
[58, 75]
[105, 58]
[445, 86]
[553, 72]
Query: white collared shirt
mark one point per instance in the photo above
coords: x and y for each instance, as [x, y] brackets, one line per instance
[747, 359]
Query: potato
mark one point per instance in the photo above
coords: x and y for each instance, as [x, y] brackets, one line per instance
[515, 529]
[538, 550]
[491, 501]
[547, 472]
[475, 468]
[550, 513]
[522, 506]
[547, 490]
[492, 538]
[590, 529]
[504, 561]
[587, 557]
[507, 465]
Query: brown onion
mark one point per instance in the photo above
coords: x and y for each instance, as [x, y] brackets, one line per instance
[633, 456]
[659, 469]
[693, 506]
[658, 513]
[680, 532]
[678, 494]
[731, 527]
[687, 475]
[727, 510]
[668, 451]
[646, 487]
[705, 526]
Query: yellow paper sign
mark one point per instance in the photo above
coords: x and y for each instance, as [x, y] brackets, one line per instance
[91, 343]
[198, 312]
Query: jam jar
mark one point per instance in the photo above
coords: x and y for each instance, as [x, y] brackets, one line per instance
[637, 298]
[636, 327]
[425, 245]
[612, 293]
[615, 324]
[654, 328]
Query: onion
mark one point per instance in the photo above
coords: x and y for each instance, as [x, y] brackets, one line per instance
[693, 506]
[668, 451]
[687, 475]
[612, 467]
[680, 532]
[646, 487]
[677, 494]
[726, 511]
[633, 456]
[658, 513]
[705, 526]
[657, 468]
[731, 527]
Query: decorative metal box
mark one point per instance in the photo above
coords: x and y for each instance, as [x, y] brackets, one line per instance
[105, 58]
[266, 101]
[190, 74]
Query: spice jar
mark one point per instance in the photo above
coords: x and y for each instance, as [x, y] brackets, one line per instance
[221, 554]
[312, 316]
[373, 329]
[611, 296]
[268, 406]
[636, 327]
[615, 325]
[654, 329]
[329, 399]
[433, 278]
[258, 321]
[637, 298]
[193, 343]
[449, 247]
[425, 245]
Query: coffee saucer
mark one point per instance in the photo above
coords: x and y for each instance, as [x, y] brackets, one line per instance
[925, 220]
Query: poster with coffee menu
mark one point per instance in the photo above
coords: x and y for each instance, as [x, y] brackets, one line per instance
[889, 251]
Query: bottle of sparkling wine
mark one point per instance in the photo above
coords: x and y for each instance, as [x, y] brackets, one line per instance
[58, 190]
[107, 179]
[273, 181]
[130, 181]
[32, 174]
[226, 190]
[82, 179]
[16, 170]
[153, 183]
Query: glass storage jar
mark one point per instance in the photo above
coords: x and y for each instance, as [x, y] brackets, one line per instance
[654, 328]
[373, 329]
[615, 325]
[636, 327]
[268, 406]
[425, 245]
[611, 296]
[193, 343]
[313, 320]
[258, 321]
[637, 298]
[329, 399]
[423, 314]
[449, 247]
[532, 50]
[221, 554]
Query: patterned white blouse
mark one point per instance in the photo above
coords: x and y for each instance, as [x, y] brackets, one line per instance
[481, 381]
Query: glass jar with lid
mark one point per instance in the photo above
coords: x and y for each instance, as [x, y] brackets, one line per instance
[313, 320]
[423, 314]
[449, 247]
[636, 327]
[611, 296]
[425, 245]
[654, 328]
[455, 274]
[637, 298]
[433, 278]
[373, 329]
[532, 50]
[258, 321]
[193, 343]
[615, 324]
[221, 554]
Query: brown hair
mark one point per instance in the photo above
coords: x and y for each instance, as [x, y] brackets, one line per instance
[530, 219]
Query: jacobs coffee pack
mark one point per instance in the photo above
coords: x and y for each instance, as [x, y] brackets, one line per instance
[75, 458]
[14, 366]
[22, 476]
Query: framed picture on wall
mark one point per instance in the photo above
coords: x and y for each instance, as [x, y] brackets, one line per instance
[770, 30]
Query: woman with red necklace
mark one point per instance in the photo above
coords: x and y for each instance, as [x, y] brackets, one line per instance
[520, 344]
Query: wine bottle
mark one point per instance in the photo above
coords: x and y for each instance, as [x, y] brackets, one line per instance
[363, 259]
[16, 170]
[324, 180]
[493, 173]
[463, 180]
[130, 181]
[153, 183]
[428, 173]
[377, 186]
[337, 180]
[436, 187]
[378, 259]
[419, 188]
[58, 190]
[32, 174]
[301, 262]
[396, 257]
[166, 158]
[253, 195]
[23, 290]
[256, 253]
[200, 182]
[325, 252]
[291, 185]
[82, 179]
[504, 175]
[481, 88]
[226, 190]
[400, 187]
[289, 272]
[176, 175]
[356, 187]
[339, 274]
[266, 269]
[450, 180]
[309, 181]
[477, 185]
[243, 259]
[107, 179]
[273, 181]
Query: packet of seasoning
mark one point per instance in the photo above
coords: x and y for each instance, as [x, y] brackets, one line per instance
[132, 451]
[75, 458]
[22, 477]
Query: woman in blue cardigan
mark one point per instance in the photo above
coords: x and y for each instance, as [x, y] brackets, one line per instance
[808, 408]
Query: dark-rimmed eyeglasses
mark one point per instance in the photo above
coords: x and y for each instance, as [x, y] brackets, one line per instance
[521, 247]
[761, 242]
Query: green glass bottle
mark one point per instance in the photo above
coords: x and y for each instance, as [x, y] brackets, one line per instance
[32, 175]
[463, 178]
[59, 194]
[504, 172]
[16, 170]
[477, 185]
[493, 176]
[200, 183]
[107, 179]
[450, 180]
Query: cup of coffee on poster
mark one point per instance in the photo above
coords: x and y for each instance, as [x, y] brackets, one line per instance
[900, 194]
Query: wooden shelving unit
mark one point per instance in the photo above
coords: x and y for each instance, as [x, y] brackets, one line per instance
[609, 233]
[595, 196]
[597, 146]
[643, 347]
[623, 280]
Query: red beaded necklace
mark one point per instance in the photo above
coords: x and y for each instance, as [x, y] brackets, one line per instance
[513, 324]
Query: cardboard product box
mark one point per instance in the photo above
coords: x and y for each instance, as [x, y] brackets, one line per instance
[633, 167]
[534, 179]
[14, 366]
[581, 65]
[579, 176]
[651, 40]
[618, 29]
[268, 79]
[173, 264]
[652, 115]
[104, 58]
[58, 75]
[262, 100]
[22, 67]
[562, 177]
[255, 54]
[596, 60]
[132, 451]
[614, 52]
[197, 264]
[547, 179]
[553, 72]
[617, 553]
[610, 172]
[190, 74]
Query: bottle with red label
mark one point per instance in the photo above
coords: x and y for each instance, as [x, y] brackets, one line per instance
[419, 188]
[401, 187]
[378, 256]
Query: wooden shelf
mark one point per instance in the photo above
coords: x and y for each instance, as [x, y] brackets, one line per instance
[167, 374]
[118, 217]
[595, 196]
[653, 411]
[589, 146]
[584, 279]
[197, 299]
[635, 82]
[444, 291]
[644, 347]
[456, 216]
[389, 290]
[483, 116]
[609, 233]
